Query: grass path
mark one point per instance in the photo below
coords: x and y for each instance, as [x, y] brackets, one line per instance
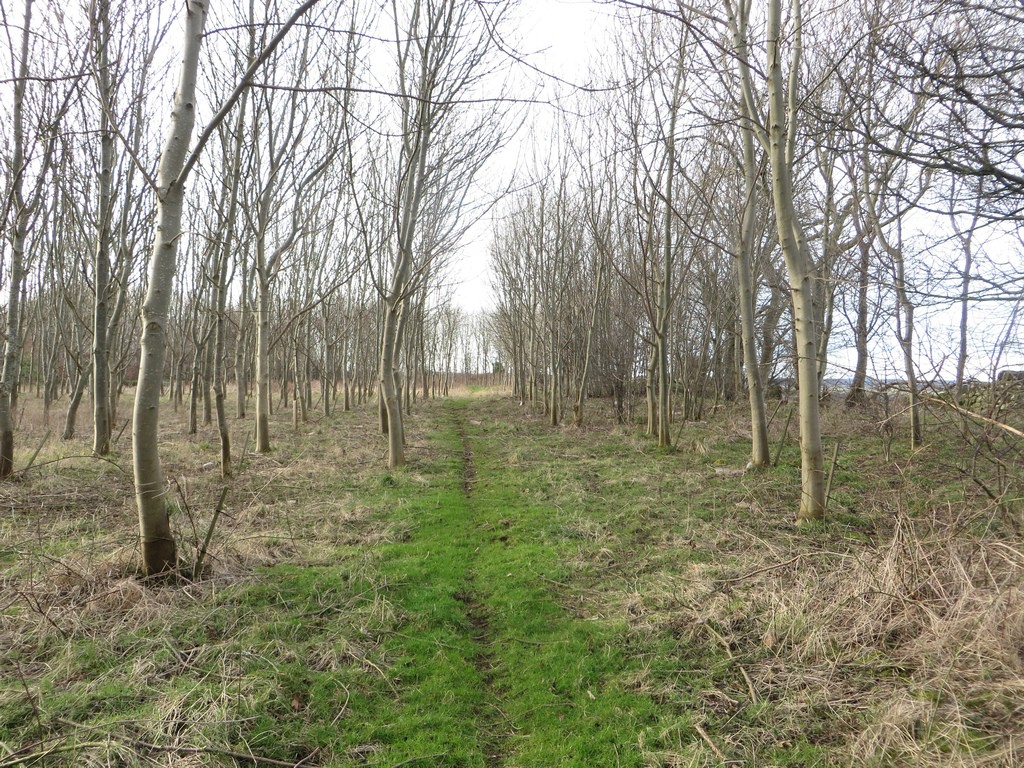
[478, 582]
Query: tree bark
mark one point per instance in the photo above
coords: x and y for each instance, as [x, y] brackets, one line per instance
[101, 263]
[19, 235]
[760, 450]
[782, 118]
[159, 553]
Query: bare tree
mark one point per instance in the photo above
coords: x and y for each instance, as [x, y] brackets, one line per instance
[33, 142]
[442, 50]
[159, 552]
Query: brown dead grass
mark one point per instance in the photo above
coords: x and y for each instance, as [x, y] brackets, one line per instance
[916, 644]
[906, 634]
[69, 526]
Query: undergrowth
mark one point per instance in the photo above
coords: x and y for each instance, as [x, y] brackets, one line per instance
[519, 595]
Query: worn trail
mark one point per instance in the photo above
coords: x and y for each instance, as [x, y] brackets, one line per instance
[492, 720]
[490, 647]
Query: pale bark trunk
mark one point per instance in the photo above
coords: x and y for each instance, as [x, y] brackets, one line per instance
[262, 362]
[665, 293]
[582, 394]
[650, 382]
[967, 241]
[905, 332]
[241, 343]
[195, 387]
[75, 401]
[664, 393]
[416, 148]
[391, 407]
[220, 353]
[760, 449]
[554, 393]
[857, 394]
[159, 553]
[965, 293]
[781, 140]
[207, 381]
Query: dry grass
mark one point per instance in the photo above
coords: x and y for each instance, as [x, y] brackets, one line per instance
[69, 540]
[914, 645]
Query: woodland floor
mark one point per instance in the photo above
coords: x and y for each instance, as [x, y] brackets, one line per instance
[519, 595]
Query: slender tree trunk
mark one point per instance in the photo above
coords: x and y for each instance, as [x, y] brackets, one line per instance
[581, 396]
[12, 346]
[221, 319]
[195, 387]
[760, 449]
[905, 331]
[967, 242]
[391, 410]
[965, 294]
[101, 263]
[651, 383]
[159, 553]
[781, 148]
[665, 292]
[207, 377]
[241, 342]
[75, 401]
[262, 363]
[856, 395]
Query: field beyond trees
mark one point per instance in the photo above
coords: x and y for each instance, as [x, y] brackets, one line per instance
[518, 595]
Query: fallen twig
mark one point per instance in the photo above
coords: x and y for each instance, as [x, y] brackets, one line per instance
[711, 745]
[783, 564]
[973, 415]
[746, 677]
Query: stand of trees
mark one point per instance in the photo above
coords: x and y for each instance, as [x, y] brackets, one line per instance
[755, 187]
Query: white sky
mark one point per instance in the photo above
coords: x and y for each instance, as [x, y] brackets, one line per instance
[561, 37]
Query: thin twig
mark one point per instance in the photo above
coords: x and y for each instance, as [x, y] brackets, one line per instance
[707, 740]
[973, 415]
[791, 560]
[782, 440]
[746, 677]
[19, 758]
[198, 567]
[139, 744]
[36, 454]
[831, 474]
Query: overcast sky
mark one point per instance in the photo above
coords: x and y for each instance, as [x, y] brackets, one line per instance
[561, 37]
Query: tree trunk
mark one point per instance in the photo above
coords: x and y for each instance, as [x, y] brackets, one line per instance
[262, 363]
[74, 401]
[159, 553]
[391, 411]
[101, 264]
[650, 381]
[905, 332]
[856, 395]
[12, 346]
[760, 449]
[581, 396]
[781, 149]
[241, 342]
